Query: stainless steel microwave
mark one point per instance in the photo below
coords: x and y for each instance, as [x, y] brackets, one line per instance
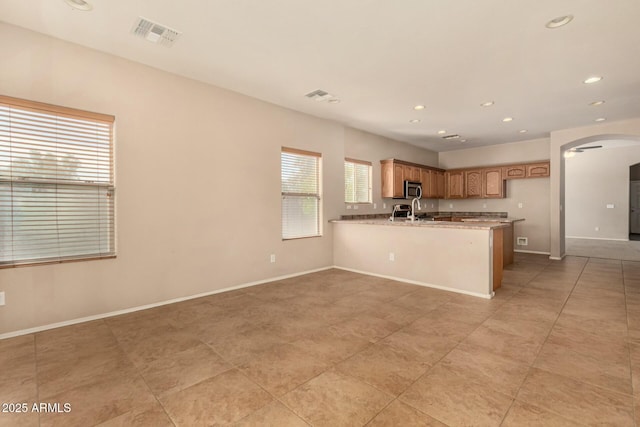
[412, 189]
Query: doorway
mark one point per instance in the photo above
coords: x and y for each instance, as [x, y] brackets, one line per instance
[634, 202]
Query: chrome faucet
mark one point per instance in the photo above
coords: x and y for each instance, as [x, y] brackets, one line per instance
[393, 213]
[415, 200]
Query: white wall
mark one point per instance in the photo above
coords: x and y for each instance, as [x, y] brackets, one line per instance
[567, 138]
[197, 184]
[594, 179]
[532, 193]
[364, 146]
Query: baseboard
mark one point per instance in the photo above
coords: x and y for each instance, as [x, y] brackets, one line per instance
[147, 306]
[596, 238]
[415, 282]
[522, 251]
[555, 258]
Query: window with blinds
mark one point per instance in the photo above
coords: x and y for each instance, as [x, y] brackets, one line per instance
[56, 184]
[357, 181]
[300, 172]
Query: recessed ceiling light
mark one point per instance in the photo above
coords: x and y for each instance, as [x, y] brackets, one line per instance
[593, 79]
[334, 101]
[419, 107]
[559, 21]
[600, 119]
[507, 119]
[596, 103]
[487, 104]
[442, 132]
[523, 131]
[463, 140]
[79, 5]
[414, 121]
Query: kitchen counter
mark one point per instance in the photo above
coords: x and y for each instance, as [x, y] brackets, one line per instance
[492, 219]
[401, 222]
[464, 257]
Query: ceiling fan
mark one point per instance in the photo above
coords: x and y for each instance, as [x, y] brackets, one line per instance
[581, 149]
[572, 151]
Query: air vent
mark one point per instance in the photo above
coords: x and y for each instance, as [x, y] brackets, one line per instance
[319, 95]
[154, 32]
[451, 137]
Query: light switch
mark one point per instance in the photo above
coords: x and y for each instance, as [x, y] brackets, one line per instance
[610, 206]
[520, 205]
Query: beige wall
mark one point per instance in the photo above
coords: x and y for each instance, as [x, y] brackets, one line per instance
[455, 259]
[533, 194]
[365, 146]
[197, 184]
[562, 140]
[593, 180]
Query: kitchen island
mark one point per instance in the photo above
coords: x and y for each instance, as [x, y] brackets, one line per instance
[454, 256]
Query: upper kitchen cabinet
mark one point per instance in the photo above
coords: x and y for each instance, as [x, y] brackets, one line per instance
[493, 186]
[526, 170]
[473, 181]
[454, 186]
[395, 172]
[537, 170]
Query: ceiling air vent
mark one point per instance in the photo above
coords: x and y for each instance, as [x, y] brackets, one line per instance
[319, 95]
[451, 137]
[154, 32]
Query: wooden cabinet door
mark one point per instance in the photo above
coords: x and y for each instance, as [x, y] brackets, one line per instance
[536, 170]
[440, 181]
[493, 186]
[398, 180]
[454, 187]
[473, 183]
[412, 173]
[514, 172]
[425, 180]
[386, 172]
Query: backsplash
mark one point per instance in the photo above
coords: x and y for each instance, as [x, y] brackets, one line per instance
[434, 214]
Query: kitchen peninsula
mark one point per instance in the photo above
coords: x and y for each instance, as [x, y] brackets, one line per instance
[464, 257]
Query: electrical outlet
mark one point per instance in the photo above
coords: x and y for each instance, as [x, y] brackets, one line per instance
[520, 205]
[597, 228]
[348, 207]
[522, 241]
[484, 206]
[450, 205]
[375, 206]
[2, 300]
[392, 256]
[273, 258]
[384, 206]
[355, 207]
[433, 205]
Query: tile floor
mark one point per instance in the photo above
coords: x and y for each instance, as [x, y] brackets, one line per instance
[617, 249]
[559, 345]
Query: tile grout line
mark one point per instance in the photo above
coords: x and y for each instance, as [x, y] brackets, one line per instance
[35, 356]
[624, 287]
[542, 345]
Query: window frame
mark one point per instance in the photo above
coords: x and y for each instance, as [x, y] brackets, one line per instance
[60, 185]
[317, 196]
[369, 179]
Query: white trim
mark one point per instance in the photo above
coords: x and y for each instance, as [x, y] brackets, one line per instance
[532, 252]
[147, 306]
[555, 258]
[596, 238]
[415, 282]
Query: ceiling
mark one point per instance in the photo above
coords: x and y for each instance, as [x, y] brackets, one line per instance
[380, 58]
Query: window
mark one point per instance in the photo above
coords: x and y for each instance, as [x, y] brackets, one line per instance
[300, 171]
[357, 181]
[56, 184]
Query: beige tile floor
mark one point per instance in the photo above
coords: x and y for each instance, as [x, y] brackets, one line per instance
[559, 345]
[616, 249]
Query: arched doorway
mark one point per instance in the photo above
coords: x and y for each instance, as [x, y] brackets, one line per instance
[597, 194]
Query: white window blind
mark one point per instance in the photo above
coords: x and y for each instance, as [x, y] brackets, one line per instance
[357, 181]
[56, 183]
[300, 172]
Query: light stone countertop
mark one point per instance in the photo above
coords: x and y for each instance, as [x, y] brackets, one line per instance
[492, 219]
[479, 225]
